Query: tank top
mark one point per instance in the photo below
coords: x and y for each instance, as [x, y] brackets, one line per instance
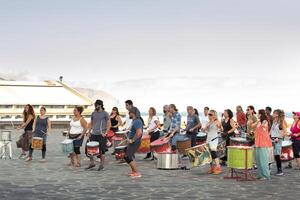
[212, 132]
[262, 138]
[114, 122]
[41, 126]
[295, 130]
[275, 131]
[226, 126]
[29, 126]
[76, 127]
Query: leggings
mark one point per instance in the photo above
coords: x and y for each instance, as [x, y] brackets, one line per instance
[43, 151]
[77, 150]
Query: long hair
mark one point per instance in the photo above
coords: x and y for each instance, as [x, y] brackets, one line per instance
[263, 115]
[117, 111]
[153, 110]
[30, 112]
[174, 107]
[281, 118]
[230, 113]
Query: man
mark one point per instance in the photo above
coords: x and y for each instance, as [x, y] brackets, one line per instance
[175, 126]
[134, 141]
[204, 119]
[167, 119]
[127, 123]
[269, 116]
[99, 126]
[193, 125]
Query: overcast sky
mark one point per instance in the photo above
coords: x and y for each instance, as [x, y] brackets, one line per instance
[96, 43]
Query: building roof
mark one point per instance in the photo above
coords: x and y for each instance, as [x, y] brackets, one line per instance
[40, 93]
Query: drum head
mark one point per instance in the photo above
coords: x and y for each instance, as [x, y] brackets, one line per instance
[121, 132]
[67, 141]
[286, 143]
[92, 144]
[239, 139]
[120, 147]
[201, 134]
[37, 138]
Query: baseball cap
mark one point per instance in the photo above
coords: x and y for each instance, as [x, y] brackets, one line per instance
[297, 113]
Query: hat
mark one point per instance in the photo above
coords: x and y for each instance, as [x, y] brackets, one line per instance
[134, 111]
[99, 102]
[297, 113]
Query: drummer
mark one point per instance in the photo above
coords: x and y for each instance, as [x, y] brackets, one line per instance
[99, 126]
[175, 126]
[295, 135]
[204, 119]
[193, 125]
[78, 128]
[134, 141]
[167, 119]
[115, 120]
[127, 123]
[251, 118]
[212, 128]
[41, 127]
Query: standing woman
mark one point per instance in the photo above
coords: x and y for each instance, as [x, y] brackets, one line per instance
[78, 128]
[241, 118]
[41, 127]
[115, 120]
[28, 119]
[153, 129]
[278, 131]
[295, 135]
[262, 144]
[251, 118]
[212, 128]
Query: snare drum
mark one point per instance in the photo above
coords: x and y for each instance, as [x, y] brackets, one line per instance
[122, 134]
[239, 141]
[120, 152]
[37, 143]
[67, 146]
[145, 144]
[240, 157]
[116, 141]
[92, 148]
[199, 155]
[287, 153]
[201, 138]
[161, 145]
[5, 136]
[182, 144]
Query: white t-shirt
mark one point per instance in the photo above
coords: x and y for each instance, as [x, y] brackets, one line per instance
[204, 120]
[128, 122]
[152, 124]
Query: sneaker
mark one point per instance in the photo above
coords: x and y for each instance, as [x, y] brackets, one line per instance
[100, 168]
[131, 173]
[211, 170]
[90, 167]
[28, 159]
[279, 173]
[43, 160]
[136, 175]
[217, 171]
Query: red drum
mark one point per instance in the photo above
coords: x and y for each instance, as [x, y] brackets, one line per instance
[120, 152]
[201, 138]
[122, 134]
[116, 141]
[183, 144]
[145, 144]
[161, 145]
[238, 141]
[110, 135]
[287, 153]
[92, 148]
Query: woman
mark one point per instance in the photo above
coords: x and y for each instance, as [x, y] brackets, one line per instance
[41, 127]
[212, 128]
[228, 129]
[153, 129]
[251, 118]
[262, 144]
[278, 131]
[28, 119]
[78, 128]
[115, 120]
[241, 118]
[295, 135]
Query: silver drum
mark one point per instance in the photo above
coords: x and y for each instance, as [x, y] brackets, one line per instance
[5, 136]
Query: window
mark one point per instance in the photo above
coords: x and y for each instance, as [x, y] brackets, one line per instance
[19, 117]
[6, 106]
[6, 117]
[55, 107]
[61, 116]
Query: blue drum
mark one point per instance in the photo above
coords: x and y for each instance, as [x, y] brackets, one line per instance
[67, 146]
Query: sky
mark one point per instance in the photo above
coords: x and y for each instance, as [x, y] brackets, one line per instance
[182, 47]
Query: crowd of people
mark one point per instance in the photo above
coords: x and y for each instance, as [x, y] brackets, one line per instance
[265, 129]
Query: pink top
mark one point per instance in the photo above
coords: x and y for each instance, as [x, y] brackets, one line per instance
[262, 137]
[295, 130]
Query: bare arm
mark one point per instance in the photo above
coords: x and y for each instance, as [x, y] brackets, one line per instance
[30, 117]
[84, 124]
[119, 121]
[34, 125]
[108, 126]
[233, 125]
[49, 128]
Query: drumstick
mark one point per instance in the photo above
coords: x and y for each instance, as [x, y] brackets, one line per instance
[122, 142]
[12, 124]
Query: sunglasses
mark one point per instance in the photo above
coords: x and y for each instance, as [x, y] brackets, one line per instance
[210, 114]
[248, 109]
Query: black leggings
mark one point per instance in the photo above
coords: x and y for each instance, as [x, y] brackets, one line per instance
[214, 154]
[43, 151]
[296, 148]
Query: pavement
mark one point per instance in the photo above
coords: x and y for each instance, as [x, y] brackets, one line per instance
[55, 180]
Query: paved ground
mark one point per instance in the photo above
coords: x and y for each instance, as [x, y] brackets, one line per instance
[55, 180]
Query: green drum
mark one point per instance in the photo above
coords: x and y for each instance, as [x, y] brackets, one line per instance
[237, 157]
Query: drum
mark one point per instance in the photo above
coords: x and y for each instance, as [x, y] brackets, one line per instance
[167, 161]
[92, 148]
[120, 152]
[199, 155]
[240, 157]
[37, 143]
[161, 145]
[287, 153]
[145, 144]
[201, 138]
[67, 146]
[5, 136]
[116, 141]
[65, 133]
[122, 134]
[221, 149]
[239, 141]
[182, 144]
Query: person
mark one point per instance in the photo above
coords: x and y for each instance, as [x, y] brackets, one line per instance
[251, 118]
[278, 132]
[295, 135]
[196, 112]
[127, 123]
[41, 127]
[268, 110]
[193, 125]
[241, 118]
[167, 119]
[175, 126]
[212, 128]
[27, 125]
[98, 128]
[204, 119]
[78, 128]
[262, 144]
[228, 129]
[134, 140]
[153, 129]
[115, 120]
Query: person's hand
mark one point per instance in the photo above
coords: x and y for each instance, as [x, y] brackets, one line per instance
[130, 141]
[19, 127]
[104, 134]
[192, 129]
[276, 140]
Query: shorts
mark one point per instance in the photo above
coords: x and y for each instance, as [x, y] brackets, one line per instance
[277, 147]
[102, 142]
[132, 148]
[296, 148]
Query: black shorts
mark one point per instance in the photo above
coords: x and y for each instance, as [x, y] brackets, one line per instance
[102, 142]
[296, 148]
[132, 148]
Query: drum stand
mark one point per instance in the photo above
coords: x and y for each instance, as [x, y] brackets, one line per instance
[247, 175]
[4, 145]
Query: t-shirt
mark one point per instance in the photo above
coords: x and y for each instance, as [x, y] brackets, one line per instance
[152, 124]
[99, 121]
[192, 121]
[136, 124]
[167, 123]
[128, 122]
[204, 120]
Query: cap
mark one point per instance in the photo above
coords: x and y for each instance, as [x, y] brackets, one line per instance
[297, 113]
